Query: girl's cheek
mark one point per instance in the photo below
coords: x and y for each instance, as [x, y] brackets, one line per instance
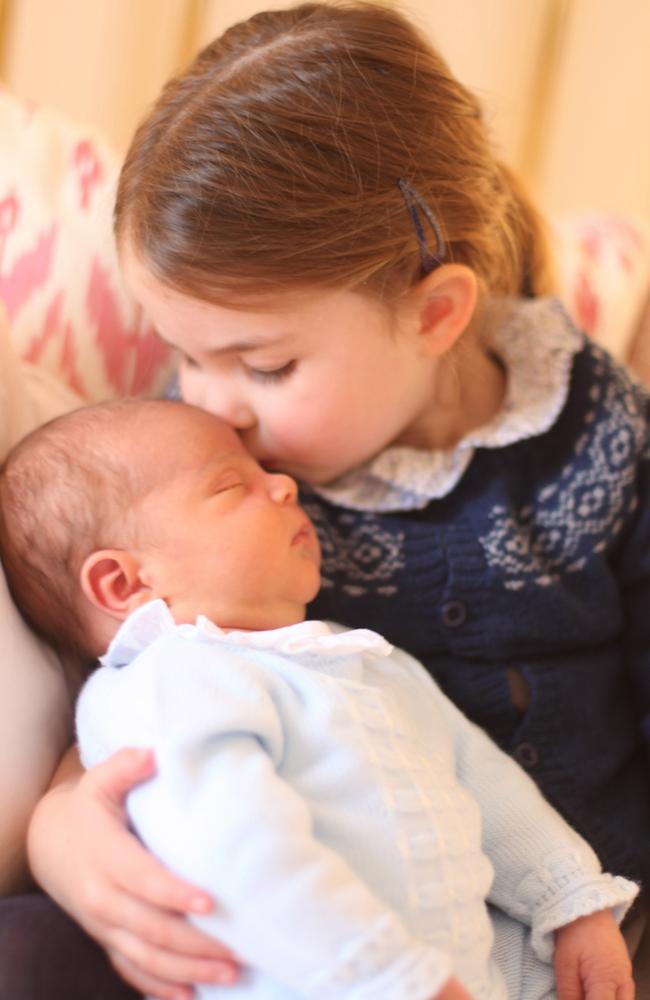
[192, 386]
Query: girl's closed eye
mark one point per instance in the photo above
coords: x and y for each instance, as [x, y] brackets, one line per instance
[188, 362]
[272, 374]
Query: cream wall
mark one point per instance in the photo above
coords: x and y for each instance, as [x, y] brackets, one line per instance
[566, 83]
[596, 147]
[101, 61]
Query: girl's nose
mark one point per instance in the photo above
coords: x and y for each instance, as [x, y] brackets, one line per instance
[241, 417]
[282, 489]
[230, 407]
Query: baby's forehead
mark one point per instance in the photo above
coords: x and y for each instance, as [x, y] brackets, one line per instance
[188, 442]
[182, 427]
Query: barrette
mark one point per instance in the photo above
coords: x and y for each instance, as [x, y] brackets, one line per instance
[415, 204]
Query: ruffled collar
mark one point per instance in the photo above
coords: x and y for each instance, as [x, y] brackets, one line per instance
[536, 345]
[311, 638]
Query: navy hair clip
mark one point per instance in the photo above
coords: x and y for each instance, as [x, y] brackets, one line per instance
[415, 204]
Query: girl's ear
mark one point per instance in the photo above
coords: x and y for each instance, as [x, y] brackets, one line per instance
[445, 301]
[110, 579]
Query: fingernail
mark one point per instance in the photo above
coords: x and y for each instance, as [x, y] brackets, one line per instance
[200, 904]
[224, 974]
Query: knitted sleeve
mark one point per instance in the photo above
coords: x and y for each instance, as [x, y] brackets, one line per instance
[546, 875]
[219, 814]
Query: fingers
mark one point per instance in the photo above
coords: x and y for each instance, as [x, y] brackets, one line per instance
[139, 874]
[118, 892]
[169, 970]
[164, 930]
[615, 987]
[568, 982]
[117, 775]
[149, 985]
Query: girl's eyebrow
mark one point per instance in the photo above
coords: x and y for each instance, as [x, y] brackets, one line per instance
[242, 345]
[238, 346]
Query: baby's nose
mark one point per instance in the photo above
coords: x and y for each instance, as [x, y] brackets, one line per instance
[282, 489]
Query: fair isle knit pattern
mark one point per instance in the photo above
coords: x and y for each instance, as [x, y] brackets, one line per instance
[592, 499]
[535, 560]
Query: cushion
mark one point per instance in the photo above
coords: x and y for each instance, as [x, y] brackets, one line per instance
[603, 269]
[68, 309]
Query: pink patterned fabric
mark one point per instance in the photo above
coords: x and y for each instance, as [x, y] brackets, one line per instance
[604, 274]
[59, 280]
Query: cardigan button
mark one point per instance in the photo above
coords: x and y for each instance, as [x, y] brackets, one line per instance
[527, 755]
[454, 614]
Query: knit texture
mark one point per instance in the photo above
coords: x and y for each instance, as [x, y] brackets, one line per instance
[342, 811]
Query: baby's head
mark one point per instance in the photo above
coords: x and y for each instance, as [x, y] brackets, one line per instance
[114, 505]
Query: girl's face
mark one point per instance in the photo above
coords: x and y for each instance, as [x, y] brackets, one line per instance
[314, 386]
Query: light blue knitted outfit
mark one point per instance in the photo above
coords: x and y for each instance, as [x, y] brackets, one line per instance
[348, 819]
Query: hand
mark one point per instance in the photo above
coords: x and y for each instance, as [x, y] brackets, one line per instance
[591, 960]
[83, 855]
[452, 990]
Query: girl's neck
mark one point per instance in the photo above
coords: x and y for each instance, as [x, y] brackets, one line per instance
[469, 389]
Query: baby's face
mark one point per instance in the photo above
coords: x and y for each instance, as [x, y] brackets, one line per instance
[220, 536]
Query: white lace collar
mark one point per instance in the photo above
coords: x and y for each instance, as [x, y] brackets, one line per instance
[153, 620]
[536, 344]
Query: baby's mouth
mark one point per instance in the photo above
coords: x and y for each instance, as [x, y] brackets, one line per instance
[304, 534]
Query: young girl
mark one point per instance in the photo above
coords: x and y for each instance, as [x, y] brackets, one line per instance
[313, 215]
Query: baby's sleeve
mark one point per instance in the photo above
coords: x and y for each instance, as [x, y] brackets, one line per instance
[545, 874]
[219, 814]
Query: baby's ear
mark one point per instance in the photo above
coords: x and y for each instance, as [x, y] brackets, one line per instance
[445, 301]
[110, 579]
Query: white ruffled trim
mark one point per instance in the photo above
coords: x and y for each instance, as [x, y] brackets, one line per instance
[536, 344]
[154, 619]
[140, 629]
[603, 892]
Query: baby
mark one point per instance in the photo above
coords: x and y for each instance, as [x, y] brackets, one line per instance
[362, 837]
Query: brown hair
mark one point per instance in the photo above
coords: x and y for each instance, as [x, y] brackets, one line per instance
[273, 161]
[64, 493]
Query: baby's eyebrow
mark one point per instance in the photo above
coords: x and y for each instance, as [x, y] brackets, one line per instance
[230, 461]
[220, 462]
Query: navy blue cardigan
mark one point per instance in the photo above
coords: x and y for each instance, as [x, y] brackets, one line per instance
[539, 560]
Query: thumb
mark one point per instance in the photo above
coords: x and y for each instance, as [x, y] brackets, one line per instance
[114, 778]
